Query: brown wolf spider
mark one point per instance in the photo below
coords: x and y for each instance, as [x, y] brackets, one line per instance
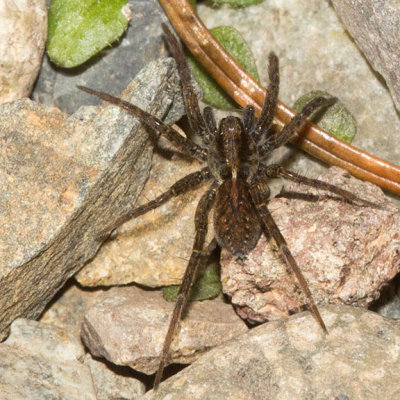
[239, 193]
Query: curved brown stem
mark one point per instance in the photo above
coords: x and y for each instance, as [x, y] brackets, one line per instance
[246, 91]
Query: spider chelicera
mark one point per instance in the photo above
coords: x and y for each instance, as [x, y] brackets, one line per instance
[233, 153]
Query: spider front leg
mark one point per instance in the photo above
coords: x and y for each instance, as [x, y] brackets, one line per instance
[266, 117]
[201, 224]
[260, 192]
[182, 143]
[280, 138]
[277, 171]
[181, 186]
[196, 121]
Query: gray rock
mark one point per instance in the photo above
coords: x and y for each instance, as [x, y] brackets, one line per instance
[23, 34]
[294, 359]
[112, 69]
[63, 180]
[111, 386]
[374, 25]
[39, 361]
[128, 325]
[347, 253]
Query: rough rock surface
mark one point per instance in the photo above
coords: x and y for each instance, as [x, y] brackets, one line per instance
[40, 361]
[152, 249]
[128, 325]
[111, 386]
[63, 180]
[113, 68]
[66, 312]
[374, 25]
[294, 359]
[23, 33]
[68, 308]
[346, 252]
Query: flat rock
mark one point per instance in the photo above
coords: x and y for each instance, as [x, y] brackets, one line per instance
[152, 249]
[112, 386]
[23, 34]
[64, 179]
[127, 326]
[294, 359]
[374, 25]
[66, 311]
[40, 361]
[347, 253]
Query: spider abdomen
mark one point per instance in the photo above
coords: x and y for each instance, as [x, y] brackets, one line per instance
[236, 223]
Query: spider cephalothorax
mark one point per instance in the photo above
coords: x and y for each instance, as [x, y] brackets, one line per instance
[238, 190]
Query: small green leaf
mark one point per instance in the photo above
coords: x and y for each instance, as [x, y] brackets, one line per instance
[78, 29]
[337, 119]
[193, 3]
[207, 287]
[233, 42]
[235, 3]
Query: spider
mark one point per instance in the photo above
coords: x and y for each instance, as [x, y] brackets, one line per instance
[232, 153]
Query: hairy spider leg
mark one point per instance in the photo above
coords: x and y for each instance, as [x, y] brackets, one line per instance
[248, 118]
[183, 144]
[282, 137]
[195, 118]
[201, 226]
[183, 185]
[277, 171]
[209, 119]
[259, 192]
[267, 114]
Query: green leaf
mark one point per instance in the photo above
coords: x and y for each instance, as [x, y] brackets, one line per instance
[232, 41]
[78, 29]
[337, 119]
[193, 3]
[235, 3]
[207, 287]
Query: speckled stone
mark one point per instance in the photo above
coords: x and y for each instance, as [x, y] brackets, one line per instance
[294, 359]
[128, 325]
[347, 253]
[23, 34]
[64, 179]
[40, 361]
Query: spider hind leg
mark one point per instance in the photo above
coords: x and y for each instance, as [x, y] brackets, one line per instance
[258, 191]
[201, 225]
